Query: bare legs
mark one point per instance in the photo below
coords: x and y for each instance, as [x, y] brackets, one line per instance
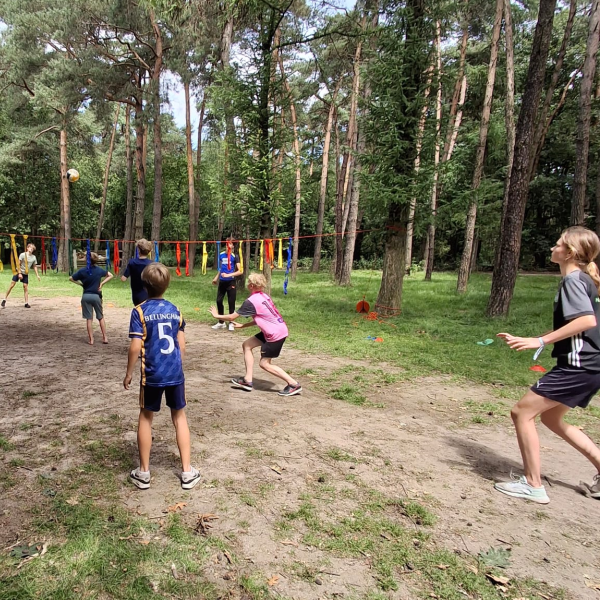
[265, 363]
[182, 433]
[552, 413]
[10, 288]
[90, 331]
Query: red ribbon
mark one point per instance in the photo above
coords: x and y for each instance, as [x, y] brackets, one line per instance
[269, 251]
[178, 258]
[43, 257]
[116, 258]
[187, 259]
[228, 258]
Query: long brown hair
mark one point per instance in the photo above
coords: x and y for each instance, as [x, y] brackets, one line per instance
[585, 247]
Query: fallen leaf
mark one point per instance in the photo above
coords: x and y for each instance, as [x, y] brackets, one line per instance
[473, 569]
[228, 557]
[72, 502]
[176, 507]
[174, 570]
[144, 542]
[273, 581]
[498, 580]
[442, 567]
[289, 543]
[594, 585]
[276, 469]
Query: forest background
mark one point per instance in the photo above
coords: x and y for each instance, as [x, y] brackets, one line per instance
[418, 134]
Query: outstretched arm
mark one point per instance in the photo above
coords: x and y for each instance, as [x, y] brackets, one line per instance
[578, 325]
[215, 313]
[35, 268]
[134, 351]
[108, 277]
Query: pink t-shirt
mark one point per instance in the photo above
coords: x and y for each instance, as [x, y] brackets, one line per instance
[266, 316]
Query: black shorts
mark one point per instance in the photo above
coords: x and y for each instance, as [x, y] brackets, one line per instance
[151, 397]
[269, 349]
[569, 386]
[25, 279]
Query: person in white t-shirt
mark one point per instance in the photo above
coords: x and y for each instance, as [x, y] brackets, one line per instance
[27, 261]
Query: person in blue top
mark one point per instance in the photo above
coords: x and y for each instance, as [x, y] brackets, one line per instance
[229, 269]
[92, 281]
[157, 336]
[134, 271]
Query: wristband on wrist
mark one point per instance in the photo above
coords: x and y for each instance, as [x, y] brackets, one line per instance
[540, 349]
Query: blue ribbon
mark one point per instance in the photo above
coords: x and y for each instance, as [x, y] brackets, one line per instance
[218, 257]
[54, 261]
[107, 256]
[289, 264]
[137, 252]
[88, 258]
[156, 256]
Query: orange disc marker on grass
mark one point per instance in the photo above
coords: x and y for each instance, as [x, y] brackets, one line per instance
[363, 306]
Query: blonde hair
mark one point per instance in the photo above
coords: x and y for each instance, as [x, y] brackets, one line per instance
[144, 246]
[585, 247]
[156, 279]
[32, 245]
[258, 280]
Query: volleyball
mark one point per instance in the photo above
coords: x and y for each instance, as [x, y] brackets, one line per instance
[72, 175]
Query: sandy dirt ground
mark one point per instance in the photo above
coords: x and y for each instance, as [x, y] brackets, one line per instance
[410, 442]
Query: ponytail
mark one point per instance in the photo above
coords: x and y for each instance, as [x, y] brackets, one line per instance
[592, 270]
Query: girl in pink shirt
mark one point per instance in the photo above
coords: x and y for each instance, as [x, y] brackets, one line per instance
[273, 333]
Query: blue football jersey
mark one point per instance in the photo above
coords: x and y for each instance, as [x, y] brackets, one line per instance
[227, 265]
[157, 323]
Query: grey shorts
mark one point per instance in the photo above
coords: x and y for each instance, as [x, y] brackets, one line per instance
[89, 304]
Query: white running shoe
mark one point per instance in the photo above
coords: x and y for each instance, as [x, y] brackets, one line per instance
[219, 326]
[189, 480]
[231, 327]
[520, 488]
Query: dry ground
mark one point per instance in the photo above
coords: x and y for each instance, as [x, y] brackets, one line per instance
[259, 453]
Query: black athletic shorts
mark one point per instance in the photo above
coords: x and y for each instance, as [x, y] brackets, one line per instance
[25, 279]
[151, 397]
[569, 386]
[270, 349]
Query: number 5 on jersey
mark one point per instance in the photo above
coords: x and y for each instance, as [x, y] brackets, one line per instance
[165, 336]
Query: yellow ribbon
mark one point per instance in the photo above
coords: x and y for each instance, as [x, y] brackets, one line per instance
[204, 258]
[262, 247]
[14, 255]
[1, 266]
[280, 255]
[241, 257]
[26, 260]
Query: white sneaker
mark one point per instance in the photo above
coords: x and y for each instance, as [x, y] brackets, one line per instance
[520, 488]
[189, 480]
[231, 327]
[219, 326]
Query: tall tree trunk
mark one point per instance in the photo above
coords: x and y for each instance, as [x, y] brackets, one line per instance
[156, 72]
[436, 160]
[543, 123]
[410, 227]
[140, 165]
[582, 144]
[316, 263]
[128, 249]
[509, 108]
[105, 182]
[193, 230]
[198, 164]
[65, 204]
[465, 261]
[297, 164]
[513, 212]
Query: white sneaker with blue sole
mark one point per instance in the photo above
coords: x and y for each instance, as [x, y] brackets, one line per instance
[520, 488]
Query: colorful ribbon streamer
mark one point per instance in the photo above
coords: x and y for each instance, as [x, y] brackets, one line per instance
[43, 261]
[156, 255]
[187, 259]
[88, 258]
[280, 254]
[178, 258]
[241, 257]
[117, 258]
[262, 249]
[26, 261]
[137, 252]
[14, 255]
[54, 261]
[107, 256]
[204, 258]
[218, 257]
[289, 264]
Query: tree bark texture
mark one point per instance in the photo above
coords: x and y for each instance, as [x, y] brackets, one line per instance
[193, 227]
[465, 261]
[513, 212]
[65, 202]
[156, 73]
[105, 182]
[509, 108]
[128, 248]
[140, 165]
[582, 144]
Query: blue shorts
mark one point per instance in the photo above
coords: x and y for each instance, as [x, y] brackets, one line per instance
[25, 279]
[151, 397]
[569, 386]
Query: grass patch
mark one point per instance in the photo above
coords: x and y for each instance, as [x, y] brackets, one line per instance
[5, 444]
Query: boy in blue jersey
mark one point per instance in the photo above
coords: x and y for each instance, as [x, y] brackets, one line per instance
[134, 271]
[157, 335]
[229, 269]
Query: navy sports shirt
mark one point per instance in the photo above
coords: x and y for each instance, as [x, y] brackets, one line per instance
[134, 270]
[90, 281]
[157, 323]
[228, 266]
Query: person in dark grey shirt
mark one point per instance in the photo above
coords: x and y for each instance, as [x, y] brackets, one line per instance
[575, 379]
